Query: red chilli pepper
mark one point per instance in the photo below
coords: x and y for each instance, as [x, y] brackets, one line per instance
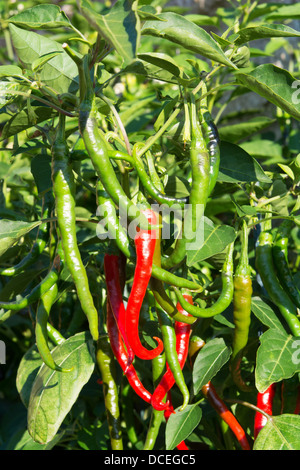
[264, 402]
[115, 298]
[121, 355]
[167, 413]
[227, 416]
[145, 241]
[182, 332]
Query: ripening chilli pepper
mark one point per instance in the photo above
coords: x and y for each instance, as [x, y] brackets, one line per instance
[115, 298]
[264, 402]
[176, 355]
[145, 241]
[241, 310]
[64, 191]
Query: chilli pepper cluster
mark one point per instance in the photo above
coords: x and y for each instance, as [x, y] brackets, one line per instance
[120, 338]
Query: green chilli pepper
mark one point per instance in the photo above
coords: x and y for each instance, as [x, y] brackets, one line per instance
[41, 328]
[266, 269]
[199, 161]
[241, 311]
[64, 191]
[280, 256]
[106, 363]
[225, 297]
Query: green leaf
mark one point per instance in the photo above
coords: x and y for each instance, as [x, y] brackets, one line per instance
[27, 371]
[275, 85]
[60, 72]
[280, 433]
[179, 30]
[11, 231]
[209, 361]
[277, 358]
[119, 27]
[236, 165]
[284, 12]
[10, 71]
[265, 31]
[24, 120]
[237, 132]
[265, 314]
[46, 16]
[54, 393]
[214, 240]
[181, 424]
[165, 62]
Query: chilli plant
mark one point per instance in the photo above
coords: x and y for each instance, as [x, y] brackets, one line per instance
[149, 266]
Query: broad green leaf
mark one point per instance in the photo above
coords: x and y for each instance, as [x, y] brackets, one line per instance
[27, 371]
[263, 148]
[60, 72]
[8, 92]
[209, 361]
[24, 120]
[165, 62]
[181, 424]
[265, 31]
[10, 71]
[54, 393]
[236, 132]
[280, 433]
[179, 30]
[212, 239]
[236, 165]
[278, 358]
[11, 231]
[265, 314]
[119, 27]
[23, 441]
[275, 85]
[41, 171]
[46, 16]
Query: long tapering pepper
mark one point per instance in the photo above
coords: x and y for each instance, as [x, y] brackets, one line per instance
[176, 355]
[105, 361]
[241, 310]
[64, 191]
[145, 241]
[266, 270]
[225, 297]
[115, 298]
[199, 161]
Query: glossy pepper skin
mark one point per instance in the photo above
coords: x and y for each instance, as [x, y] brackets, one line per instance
[264, 402]
[176, 355]
[217, 403]
[105, 362]
[115, 298]
[280, 257]
[241, 310]
[145, 241]
[64, 191]
[225, 297]
[199, 162]
[266, 269]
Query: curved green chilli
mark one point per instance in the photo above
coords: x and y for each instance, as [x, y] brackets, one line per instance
[241, 311]
[199, 161]
[169, 340]
[64, 191]
[106, 364]
[225, 297]
[41, 328]
[280, 256]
